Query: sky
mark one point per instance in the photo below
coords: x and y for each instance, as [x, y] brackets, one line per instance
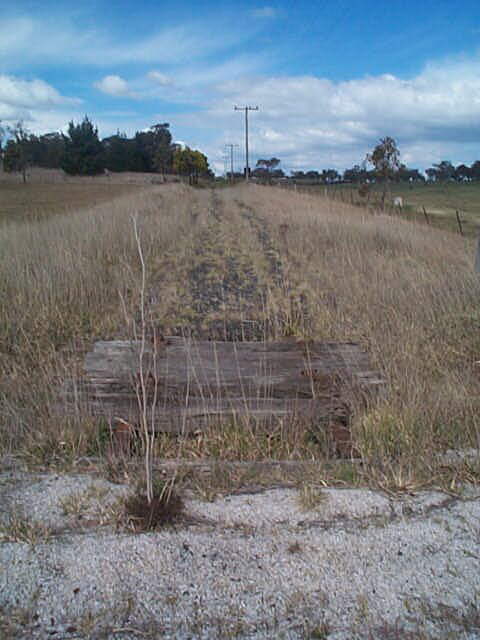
[329, 77]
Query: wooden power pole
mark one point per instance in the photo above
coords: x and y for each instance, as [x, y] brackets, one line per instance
[246, 109]
[231, 145]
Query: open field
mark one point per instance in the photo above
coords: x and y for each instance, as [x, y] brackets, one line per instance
[441, 202]
[50, 191]
[246, 263]
[32, 200]
[277, 537]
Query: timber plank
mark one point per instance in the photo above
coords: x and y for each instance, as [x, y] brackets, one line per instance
[195, 381]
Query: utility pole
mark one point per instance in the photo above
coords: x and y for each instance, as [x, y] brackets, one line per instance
[477, 256]
[229, 144]
[246, 109]
[225, 164]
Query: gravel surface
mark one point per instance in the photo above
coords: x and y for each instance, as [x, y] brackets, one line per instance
[360, 564]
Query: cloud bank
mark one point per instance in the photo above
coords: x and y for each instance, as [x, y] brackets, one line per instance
[310, 121]
[35, 102]
[32, 40]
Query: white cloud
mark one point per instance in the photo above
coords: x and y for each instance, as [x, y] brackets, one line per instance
[39, 105]
[114, 86]
[312, 122]
[159, 78]
[193, 83]
[16, 92]
[239, 68]
[26, 40]
[264, 12]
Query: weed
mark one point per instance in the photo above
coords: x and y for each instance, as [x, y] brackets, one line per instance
[14, 621]
[320, 632]
[345, 473]
[18, 528]
[166, 507]
[311, 496]
[116, 469]
[76, 503]
[363, 609]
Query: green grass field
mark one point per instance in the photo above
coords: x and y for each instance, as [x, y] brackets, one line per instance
[441, 202]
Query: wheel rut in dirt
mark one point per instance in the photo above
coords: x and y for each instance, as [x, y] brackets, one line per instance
[225, 277]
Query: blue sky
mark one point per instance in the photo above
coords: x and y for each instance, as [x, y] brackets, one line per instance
[330, 77]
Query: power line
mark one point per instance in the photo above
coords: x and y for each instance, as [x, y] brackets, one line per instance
[231, 145]
[246, 109]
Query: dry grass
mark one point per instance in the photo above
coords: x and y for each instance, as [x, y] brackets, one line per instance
[254, 263]
[407, 293]
[60, 286]
[29, 202]
[19, 528]
[310, 496]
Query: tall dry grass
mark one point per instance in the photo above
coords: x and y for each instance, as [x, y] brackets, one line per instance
[61, 285]
[285, 263]
[409, 294]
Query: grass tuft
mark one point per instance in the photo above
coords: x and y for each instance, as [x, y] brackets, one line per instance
[19, 528]
[311, 496]
[165, 508]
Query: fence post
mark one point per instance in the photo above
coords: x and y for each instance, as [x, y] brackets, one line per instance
[477, 256]
[459, 223]
[426, 215]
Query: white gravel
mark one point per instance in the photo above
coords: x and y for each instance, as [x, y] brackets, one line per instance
[360, 565]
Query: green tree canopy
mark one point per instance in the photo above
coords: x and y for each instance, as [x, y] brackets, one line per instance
[190, 162]
[385, 158]
[118, 152]
[475, 170]
[445, 170]
[152, 150]
[83, 153]
[2, 136]
[268, 168]
[330, 175]
[18, 152]
[463, 173]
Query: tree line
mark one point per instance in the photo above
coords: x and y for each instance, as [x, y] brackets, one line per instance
[81, 152]
[441, 172]
[385, 165]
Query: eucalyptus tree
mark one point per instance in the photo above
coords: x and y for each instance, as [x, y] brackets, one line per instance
[385, 159]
